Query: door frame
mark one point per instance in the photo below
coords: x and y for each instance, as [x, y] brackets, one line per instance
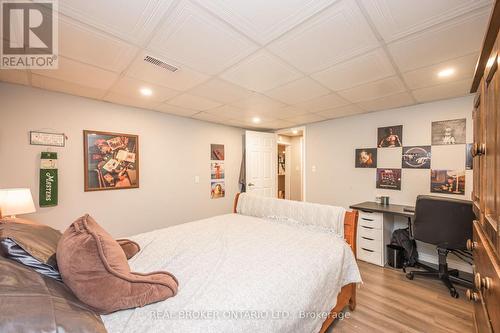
[304, 156]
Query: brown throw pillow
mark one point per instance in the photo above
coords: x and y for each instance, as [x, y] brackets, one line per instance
[95, 268]
[130, 248]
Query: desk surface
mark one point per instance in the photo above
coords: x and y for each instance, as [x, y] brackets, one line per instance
[389, 209]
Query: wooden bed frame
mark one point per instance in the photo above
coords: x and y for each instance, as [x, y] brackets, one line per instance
[347, 295]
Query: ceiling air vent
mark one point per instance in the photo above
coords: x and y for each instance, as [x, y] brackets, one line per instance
[159, 63]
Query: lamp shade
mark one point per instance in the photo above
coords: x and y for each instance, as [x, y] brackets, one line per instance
[15, 201]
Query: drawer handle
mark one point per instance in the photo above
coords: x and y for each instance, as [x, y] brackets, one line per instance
[471, 245]
[364, 226]
[364, 218]
[481, 282]
[367, 238]
[367, 250]
[471, 295]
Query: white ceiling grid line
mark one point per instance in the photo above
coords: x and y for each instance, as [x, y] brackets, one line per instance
[265, 64]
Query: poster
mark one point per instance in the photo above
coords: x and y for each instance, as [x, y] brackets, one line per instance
[448, 181]
[416, 157]
[448, 132]
[389, 137]
[366, 158]
[389, 179]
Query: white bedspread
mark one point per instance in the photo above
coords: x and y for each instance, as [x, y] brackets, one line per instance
[240, 274]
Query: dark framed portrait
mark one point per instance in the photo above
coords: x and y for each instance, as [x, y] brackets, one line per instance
[217, 152]
[389, 179]
[366, 158]
[448, 181]
[449, 132]
[389, 137]
[111, 160]
[417, 157]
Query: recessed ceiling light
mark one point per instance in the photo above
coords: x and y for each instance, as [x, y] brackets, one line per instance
[146, 92]
[255, 120]
[295, 131]
[446, 72]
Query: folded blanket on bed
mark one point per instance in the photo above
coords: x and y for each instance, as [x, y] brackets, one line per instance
[307, 213]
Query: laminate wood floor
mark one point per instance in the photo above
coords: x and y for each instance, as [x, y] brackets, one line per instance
[388, 302]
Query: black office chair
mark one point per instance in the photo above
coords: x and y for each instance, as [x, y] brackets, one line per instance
[446, 223]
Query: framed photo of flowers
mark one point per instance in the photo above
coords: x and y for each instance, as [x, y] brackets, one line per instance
[111, 161]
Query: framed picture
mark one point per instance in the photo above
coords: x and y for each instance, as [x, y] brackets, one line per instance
[389, 137]
[469, 162]
[217, 170]
[389, 179]
[111, 161]
[218, 189]
[448, 132]
[448, 181]
[417, 157]
[216, 152]
[366, 158]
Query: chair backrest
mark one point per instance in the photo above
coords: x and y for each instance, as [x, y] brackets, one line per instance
[443, 221]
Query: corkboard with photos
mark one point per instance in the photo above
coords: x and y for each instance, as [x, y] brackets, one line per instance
[443, 132]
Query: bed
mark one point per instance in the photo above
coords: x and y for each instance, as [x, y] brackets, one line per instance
[267, 267]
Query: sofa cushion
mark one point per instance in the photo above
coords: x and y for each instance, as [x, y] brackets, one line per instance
[34, 303]
[95, 268]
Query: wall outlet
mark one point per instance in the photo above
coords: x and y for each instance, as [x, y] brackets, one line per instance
[313, 168]
[196, 179]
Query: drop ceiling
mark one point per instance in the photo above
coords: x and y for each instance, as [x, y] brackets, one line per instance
[279, 63]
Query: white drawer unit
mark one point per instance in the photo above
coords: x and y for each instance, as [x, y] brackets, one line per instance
[374, 232]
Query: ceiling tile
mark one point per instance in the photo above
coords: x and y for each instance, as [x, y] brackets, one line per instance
[264, 21]
[322, 103]
[306, 118]
[181, 80]
[209, 117]
[188, 101]
[172, 109]
[193, 37]
[286, 112]
[258, 103]
[342, 111]
[388, 102]
[395, 18]
[298, 91]
[221, 91]
[337, 34]
[132, 21]
[443, 91]
[80, 73]
[14, 76]
[373, 90]
[82, 43]
[428, 76]
[371, 66]
[260, 72]
[131, 87]
[278, 124]
[134, 101]
[66, 87]
[226, 111]
[454, 39]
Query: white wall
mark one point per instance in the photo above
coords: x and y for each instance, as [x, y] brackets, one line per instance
[330, 148]
[173, 150]
[296, 168]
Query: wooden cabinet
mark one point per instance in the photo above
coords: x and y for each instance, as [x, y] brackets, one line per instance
[486, 189]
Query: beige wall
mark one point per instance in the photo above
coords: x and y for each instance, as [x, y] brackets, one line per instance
[173, 151]
[330, 149]
[296, 168]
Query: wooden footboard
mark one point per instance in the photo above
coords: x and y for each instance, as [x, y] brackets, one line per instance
[347, 295]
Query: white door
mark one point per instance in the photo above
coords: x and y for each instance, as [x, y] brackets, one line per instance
[261, 163]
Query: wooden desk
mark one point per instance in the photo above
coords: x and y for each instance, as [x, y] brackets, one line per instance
[375, 227]
[370, 206]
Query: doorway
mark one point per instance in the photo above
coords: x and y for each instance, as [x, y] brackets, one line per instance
[290, 164]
